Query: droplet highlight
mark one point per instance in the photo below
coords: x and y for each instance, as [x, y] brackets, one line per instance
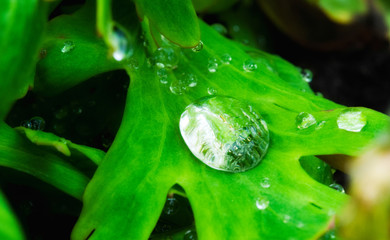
[212, 65]
[120, 44]
[224, 133]
[305, 120]
[352, 120]
[307, 75]
[226, 58]
[198, 47]
[166, 57]
[265, 183]
[211, 91]
[262, 203]
[337, 187]
[68, 46]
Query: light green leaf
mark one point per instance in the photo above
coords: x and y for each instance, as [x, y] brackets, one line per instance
[60, 144]
[21, 24]
[9, 227]
[177, 21]
[17, 152]
[127, 193]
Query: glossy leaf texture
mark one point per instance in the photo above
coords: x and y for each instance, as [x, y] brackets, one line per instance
[21, 24]
[17, 152]
[71, 52]
[177, 22]
[128, 191]
[9, 228]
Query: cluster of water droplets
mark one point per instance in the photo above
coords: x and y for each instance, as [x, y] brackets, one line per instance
[225, 133]
[350, 119]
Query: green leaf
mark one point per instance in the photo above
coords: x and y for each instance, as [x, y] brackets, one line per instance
[72, 52]
[342, 11]
[128, 191]
[9, 228]
[177, 22]
[19, 153]
[317, 169]
[212, 6]
[62, 145]
[21, 24]
[384, 7]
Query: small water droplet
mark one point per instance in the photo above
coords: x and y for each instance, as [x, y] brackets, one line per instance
[35, 123]
[162, 75]
[213, 65]
[198, 47]
[286, 218]
[337, 187]
[320, 125]
[300, 225]
[262, 203]
[68, 46]
[226, 58]
[249, 65]
[166, 57]
[171, 206]
[221, 29]
[211, 91]
[178, 87]
[305, 120]
[265, 183]
[191, 80]
[224, 134]
[119, 41]
[133, 63]
[352, 120]
[307, 75]
[190, 235]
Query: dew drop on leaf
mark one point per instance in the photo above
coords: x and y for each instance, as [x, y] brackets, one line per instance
[211, 91]
[178, 87]
[307, 75]
[305, 120]
[120, 43]
[68, 46]
[162, 75]
[190, 235]
[224, 133]
[249, 65]
[337, 187]
[352, 120]
[35, 123]
[262, 203]
[171, 206]
[265, 183]
[226, 58]
[286, 218]
[198, 47]
[213, 65]
[320, 125]
[221, 29]
[166, 57]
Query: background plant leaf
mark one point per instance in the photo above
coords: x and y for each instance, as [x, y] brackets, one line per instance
[148, 156]
[9, 228]
[21, 24]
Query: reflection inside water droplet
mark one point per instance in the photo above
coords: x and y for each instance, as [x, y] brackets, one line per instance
[166, 57]
[212, 65]
[262, 203]
[337, 187]
[198, 47]
[265, 183]
[307, 75]
[352, 120]
[224, 133]
[211, 91]
[120, 44]
[249, 65]
[226, 58]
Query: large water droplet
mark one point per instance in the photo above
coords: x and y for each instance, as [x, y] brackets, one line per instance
[249, 65]
[226, 58]
[166, 57]
[213, 65]
[307, 75]
[337, 187]
[68, 46]
[305, 120]
[224, 133]
[352, 120]
[198, 47]
[120, 44]
[262, 203]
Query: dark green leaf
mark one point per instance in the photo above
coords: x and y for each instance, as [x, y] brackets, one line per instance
[21, 24]
[9, 227]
